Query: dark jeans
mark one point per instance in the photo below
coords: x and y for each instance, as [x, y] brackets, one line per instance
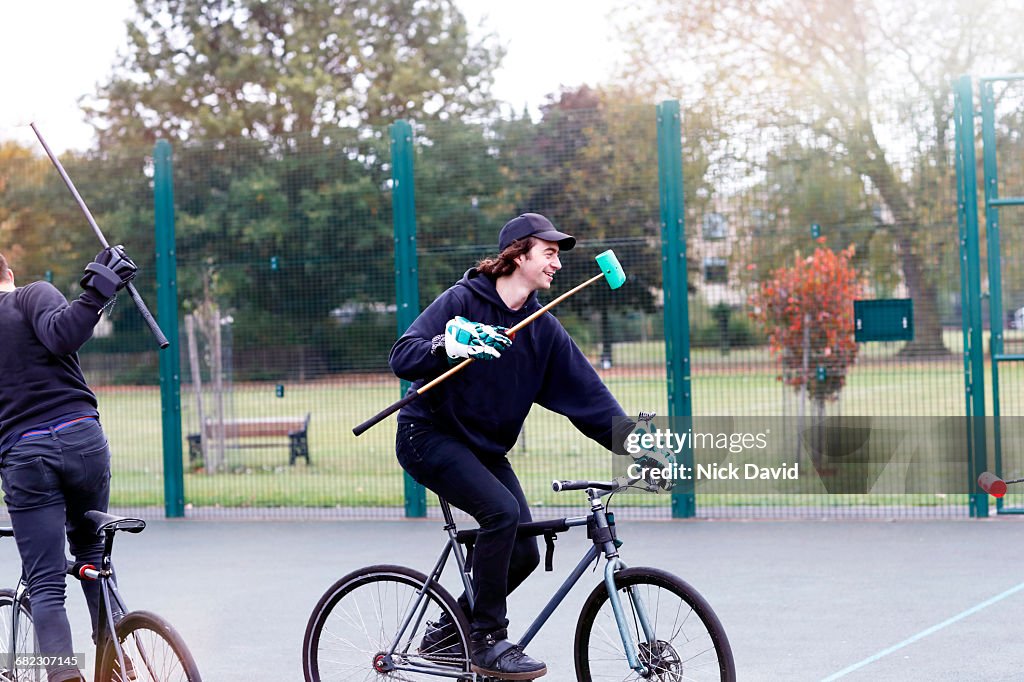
[487, 490]
[49, 482]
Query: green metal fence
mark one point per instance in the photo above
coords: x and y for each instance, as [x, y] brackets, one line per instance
[294, 263]
[1001, 100]
[777, 188]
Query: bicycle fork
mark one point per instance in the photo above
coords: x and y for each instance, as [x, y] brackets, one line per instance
[19, 594]
[625, 632]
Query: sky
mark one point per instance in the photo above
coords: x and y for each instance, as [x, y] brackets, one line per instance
[56, 51]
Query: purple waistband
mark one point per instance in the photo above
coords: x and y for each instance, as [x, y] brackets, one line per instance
[56, 427]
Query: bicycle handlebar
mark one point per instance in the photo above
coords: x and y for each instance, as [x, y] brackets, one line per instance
[82, 571]
[559, 486]
[995, 486]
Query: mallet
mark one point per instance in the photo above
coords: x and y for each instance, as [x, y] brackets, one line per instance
[611, 271]
[995, 486]
[139, 303]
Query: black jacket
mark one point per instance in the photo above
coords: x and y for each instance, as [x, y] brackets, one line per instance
[485, 404]
[41, 381]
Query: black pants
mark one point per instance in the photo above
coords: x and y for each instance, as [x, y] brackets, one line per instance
[487, 490]
[49, 482]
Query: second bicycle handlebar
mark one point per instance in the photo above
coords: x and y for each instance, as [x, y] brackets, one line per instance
[559, 486]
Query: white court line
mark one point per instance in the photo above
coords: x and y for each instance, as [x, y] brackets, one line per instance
[924, 633]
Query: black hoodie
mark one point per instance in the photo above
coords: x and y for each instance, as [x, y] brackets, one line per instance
[485, 404]
[41, 381]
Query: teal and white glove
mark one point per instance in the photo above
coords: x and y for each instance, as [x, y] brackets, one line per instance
[465, 339]
[662, 459]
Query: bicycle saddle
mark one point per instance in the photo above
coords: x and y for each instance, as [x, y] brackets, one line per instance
[6, 532]
[108, 522]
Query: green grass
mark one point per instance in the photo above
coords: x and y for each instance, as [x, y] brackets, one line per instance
[350, 471]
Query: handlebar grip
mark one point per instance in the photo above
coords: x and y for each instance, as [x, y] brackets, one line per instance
[559, 486]
[992, 484]
[82, 571]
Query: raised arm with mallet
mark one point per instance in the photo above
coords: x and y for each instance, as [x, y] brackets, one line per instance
[611, 272]
[139, 303]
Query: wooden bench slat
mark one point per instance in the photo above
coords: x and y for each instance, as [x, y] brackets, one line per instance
[294, 428]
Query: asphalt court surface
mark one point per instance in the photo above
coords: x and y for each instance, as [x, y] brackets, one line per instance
[800, 600]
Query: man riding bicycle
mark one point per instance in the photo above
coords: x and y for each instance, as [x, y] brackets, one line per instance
[455, 439]
[54, 459]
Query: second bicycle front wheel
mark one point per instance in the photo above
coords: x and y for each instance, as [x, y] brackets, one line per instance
[152, 650]
[686, 642]
[356, 630]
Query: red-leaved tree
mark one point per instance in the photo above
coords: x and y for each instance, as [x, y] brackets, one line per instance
[806, 311]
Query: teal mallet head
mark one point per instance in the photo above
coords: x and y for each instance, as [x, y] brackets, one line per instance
[611, 268]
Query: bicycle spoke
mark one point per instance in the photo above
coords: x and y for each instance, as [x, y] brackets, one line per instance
[360, 624]
[681, 645]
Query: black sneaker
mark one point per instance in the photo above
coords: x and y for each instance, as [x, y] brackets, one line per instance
[495, 656]
[440, 643]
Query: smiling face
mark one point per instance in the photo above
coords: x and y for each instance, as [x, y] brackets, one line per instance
[537, 267]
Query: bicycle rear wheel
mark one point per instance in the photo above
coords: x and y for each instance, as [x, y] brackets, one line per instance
[153, 652]
[351, 630]
[688, 641]
[25, 641]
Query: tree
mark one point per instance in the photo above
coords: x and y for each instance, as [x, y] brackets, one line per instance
[806, 310]
[217, 69]
[461, 200]
[833, 66]
[591, 165]
[804, 185]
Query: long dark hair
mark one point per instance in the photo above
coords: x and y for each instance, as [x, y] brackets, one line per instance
[505, 262]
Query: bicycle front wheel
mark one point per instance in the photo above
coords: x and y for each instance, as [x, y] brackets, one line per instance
[24, 641]
[686, 642]
[153, 651]
[355, 632]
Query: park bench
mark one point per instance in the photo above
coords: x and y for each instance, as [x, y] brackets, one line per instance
[255, 432]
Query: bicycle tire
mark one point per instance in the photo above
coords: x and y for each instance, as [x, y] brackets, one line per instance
[337, 629]
[695, 648]
[26, 638]
[154, 650]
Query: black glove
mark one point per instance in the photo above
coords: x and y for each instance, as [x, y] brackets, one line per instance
[109, 272]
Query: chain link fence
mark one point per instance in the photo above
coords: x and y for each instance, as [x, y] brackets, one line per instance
[286, 284]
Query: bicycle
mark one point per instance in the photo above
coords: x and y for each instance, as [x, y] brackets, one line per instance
[638, 624]
[146, 648]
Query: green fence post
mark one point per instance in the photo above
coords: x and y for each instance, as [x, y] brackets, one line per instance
[673, 274]
[407, 295]
[995, 253]
[970, 283]
[167, 316]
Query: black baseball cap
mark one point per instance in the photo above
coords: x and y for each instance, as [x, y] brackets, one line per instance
[533, 225]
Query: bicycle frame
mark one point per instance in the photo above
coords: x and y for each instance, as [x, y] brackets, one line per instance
[417, 609]
[108, 617]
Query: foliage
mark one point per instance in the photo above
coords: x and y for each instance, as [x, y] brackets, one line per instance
[805, 185]
[867, 81]
[221, 69]
[813, 297]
